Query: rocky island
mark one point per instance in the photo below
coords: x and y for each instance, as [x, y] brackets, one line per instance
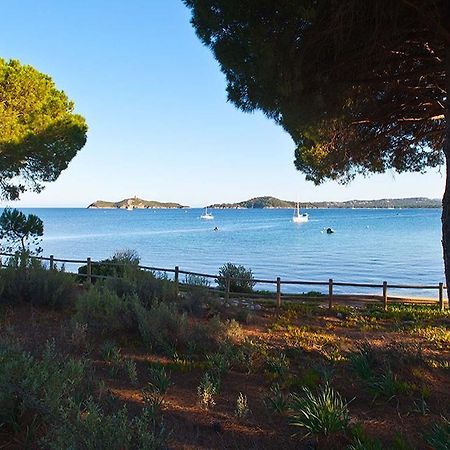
[275, 203]
[134, 203]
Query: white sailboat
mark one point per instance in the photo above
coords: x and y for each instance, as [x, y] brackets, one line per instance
[206, 215]
[299, 218]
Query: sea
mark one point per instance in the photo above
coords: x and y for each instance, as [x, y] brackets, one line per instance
[400, 246]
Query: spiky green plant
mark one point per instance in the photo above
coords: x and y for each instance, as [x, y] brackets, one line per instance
[276, 401]
[322, 412]
[439, 437]
[159, 379]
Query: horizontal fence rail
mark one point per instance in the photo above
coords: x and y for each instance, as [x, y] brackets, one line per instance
[277, 283]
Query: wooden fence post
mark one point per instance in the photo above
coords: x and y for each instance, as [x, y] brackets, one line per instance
[278, 292]
[177, 276]
[52, 262]
[89, 270]
[441, 296]
[227, 289]
[330, 293]
[385, 297]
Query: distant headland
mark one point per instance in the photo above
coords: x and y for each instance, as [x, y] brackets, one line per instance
[134, 203]
[275, 203]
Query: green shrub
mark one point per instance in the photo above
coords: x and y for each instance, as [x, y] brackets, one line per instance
[115, 266]
[39, 388]
[159, 379]
[323, 412]
[162, 328]
[387, 385]
[276, 401]
[244, 281]
[31, 282]
[439, 436]
[53, 394]
[104, 311]
[131, 370]
[362, 362]
[149, 288]
[360, 440]
[88, 427]
[277, 364]
[125, 278]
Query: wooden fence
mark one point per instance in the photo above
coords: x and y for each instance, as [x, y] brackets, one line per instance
[277, 295]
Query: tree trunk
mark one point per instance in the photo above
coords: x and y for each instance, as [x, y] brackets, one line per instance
[446, 198]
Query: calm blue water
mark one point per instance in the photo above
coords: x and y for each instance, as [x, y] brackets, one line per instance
[401, 246]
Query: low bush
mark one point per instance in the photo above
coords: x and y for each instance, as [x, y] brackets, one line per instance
[320, 413]
[241, 278]
[387, 385]
[29, 281]
[277, 401]
[115, 266]
[149, 288]
[50, 397]
[104, 311]
[124, 277]
[88, 427]
[38, 388]
[439, 436]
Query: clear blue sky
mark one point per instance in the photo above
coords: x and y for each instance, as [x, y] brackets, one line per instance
[159, 123]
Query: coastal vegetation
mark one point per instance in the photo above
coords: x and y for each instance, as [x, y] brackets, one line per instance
[135, 203]
[130, 363]
[275, 203]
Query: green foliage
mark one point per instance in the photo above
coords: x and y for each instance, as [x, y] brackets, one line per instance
[38, 387]
[130, 368]
[161, 328]
[360, 440]
[334, 80]
[21, 232]
[39, 135]
[125, 278]
[241, 279]
[276, 401]
[323, 412]
[27, 280]
[88, 427]
[387, 385]
[362, 362]
[278, 364]
[115, 266]
[104, 311]
[159, 379]
[206, 391]
[406, 313]
[439, 437]
[53, 394]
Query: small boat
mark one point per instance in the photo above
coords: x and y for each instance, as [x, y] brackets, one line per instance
[129, 208]
[299, 218]
[330, 231]
[206, 215]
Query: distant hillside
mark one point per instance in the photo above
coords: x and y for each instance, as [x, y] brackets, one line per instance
[258, 202]
[135, 203]
[272, 202]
